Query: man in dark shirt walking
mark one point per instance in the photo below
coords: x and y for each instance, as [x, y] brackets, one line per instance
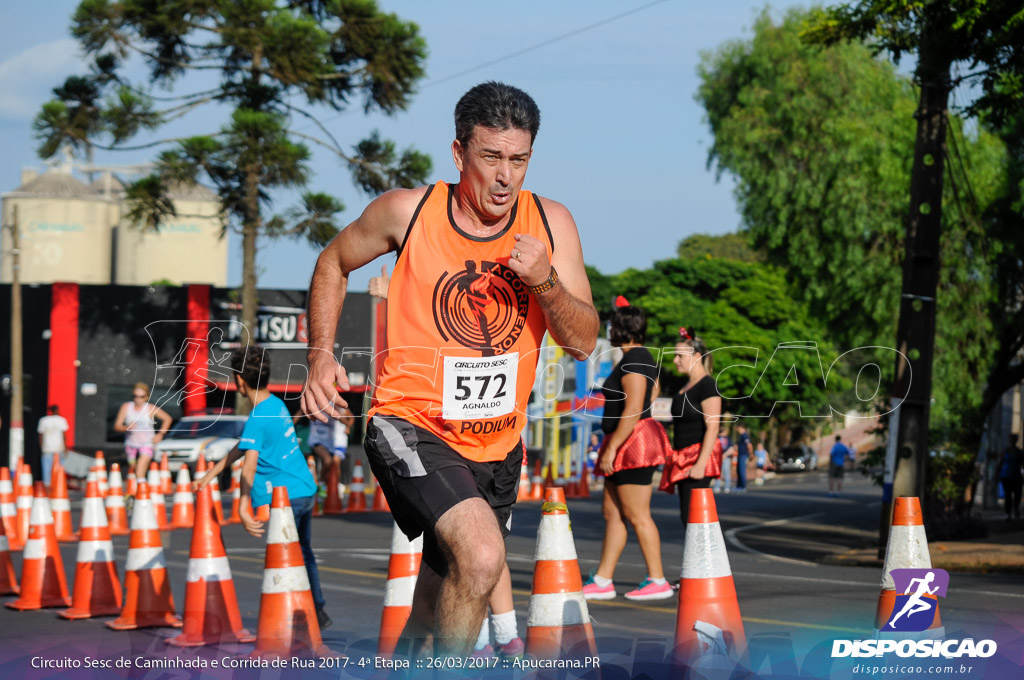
[742, 452]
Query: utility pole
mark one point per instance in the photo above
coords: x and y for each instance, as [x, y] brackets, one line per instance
[915, 335]
[17, 436]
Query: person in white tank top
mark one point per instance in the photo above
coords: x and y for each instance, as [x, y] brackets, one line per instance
[138, 419]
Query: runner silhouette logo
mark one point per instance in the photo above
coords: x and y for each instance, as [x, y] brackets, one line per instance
[917, 598]
[483, 307]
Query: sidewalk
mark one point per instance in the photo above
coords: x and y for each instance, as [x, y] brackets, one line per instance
[1001, 551]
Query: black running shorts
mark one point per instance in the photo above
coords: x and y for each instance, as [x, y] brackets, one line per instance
[422, 478]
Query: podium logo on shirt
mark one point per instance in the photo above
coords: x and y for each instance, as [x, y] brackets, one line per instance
[483, 306]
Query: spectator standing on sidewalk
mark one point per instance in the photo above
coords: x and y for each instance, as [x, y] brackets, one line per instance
[724, 483]
[837, 466]
[742, 455]
[762, 463]
[52, 431]
[1010, 477]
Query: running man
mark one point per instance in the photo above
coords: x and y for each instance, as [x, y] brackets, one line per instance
[444, 433]
[916, 603]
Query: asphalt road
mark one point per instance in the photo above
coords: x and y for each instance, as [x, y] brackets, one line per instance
[774, 535]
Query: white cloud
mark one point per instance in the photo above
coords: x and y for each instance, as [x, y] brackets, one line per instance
[27, 78]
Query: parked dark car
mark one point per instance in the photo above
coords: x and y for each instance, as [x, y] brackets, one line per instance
[795, 458]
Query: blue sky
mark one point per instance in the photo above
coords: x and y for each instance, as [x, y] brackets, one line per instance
[622, 142]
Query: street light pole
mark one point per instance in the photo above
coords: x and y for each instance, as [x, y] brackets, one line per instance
[17, 433]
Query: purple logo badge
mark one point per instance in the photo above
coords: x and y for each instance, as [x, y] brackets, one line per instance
[917, 593]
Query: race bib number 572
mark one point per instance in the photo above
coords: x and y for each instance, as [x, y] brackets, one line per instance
[479, 387]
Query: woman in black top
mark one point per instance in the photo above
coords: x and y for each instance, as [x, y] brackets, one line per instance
[634, 446]
[696, 412]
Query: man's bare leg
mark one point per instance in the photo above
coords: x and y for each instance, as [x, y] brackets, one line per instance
[471, 541]
[419, 629]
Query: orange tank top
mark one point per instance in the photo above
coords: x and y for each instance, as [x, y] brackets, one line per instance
[463, 333]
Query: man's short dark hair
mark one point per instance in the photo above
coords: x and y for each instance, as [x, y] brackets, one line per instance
[838, 437]
[628, 324]
[498, 106]
[52, 409]
[252, 365]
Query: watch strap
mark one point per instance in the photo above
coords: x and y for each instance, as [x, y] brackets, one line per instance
[547, 285]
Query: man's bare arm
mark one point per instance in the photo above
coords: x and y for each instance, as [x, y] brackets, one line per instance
[568, 307]
[377, 231]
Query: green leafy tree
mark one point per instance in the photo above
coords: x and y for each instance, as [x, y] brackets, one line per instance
[726, 246]
[1004, 221]
[985, 38]
[275, 63]
[744, 312]
[820, 142]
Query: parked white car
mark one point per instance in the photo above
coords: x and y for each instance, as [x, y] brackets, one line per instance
[214, 436]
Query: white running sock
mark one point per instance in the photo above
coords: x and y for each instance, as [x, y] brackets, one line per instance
[484, 638]
[658, 581]
[602, 581]
[505, 628]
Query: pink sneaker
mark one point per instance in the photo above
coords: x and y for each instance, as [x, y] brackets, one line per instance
[512, 650]
[649, 590]
[592, 591]
[486, 653]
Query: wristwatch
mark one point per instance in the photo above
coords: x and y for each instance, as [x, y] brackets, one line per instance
[547, 285]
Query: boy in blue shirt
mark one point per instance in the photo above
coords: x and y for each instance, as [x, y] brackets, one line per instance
[272, 458]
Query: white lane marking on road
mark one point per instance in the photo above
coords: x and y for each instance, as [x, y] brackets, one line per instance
[731, 536]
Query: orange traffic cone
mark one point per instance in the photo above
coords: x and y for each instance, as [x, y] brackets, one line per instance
[537, 482]
[97, 587]
[23, 504]
[117, 517]
[262, 513]
[708, 620]
[559, 622]
[42, 569]
[183, 513]
[166, 483]
[132, 485]
[572, 489]
[8, 579]
[60, 505]
[357, 494]
[403, 568]
[583, 491]
[218, 502]
[380, 501]
[524, 481]
[211, 605]
[148, 599]
[154, 485]
[907, 549]
[53, 473]
[333, 504]
[236, 493]
[8, 510]
[101, 464]
[288, 623]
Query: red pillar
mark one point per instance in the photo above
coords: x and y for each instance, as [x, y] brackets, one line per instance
[62, 382]
[199, 355]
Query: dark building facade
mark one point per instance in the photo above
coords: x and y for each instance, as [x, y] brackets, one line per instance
[85, 346]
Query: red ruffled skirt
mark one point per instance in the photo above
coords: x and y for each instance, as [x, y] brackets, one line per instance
[646, 446]
[679, 463]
